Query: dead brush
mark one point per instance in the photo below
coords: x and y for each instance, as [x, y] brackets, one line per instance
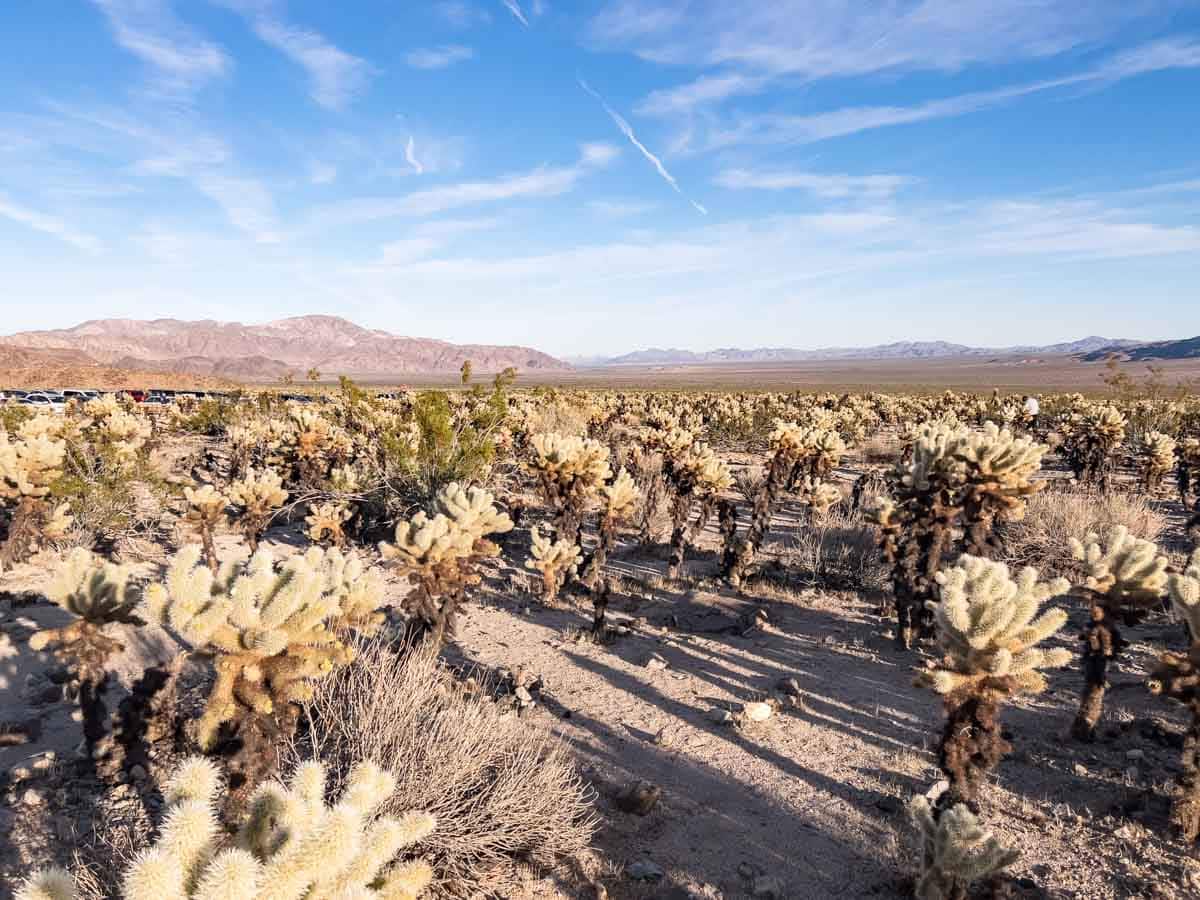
[505, 796]
[1054, 518]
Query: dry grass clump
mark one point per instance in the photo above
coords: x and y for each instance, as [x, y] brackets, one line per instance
[837, 548]
[504, 795]
[1053, 518]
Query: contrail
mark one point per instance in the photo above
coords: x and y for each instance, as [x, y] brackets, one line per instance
[627, 130]
[515, 8]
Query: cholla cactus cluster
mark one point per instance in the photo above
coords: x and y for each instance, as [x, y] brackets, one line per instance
[801, 457]
[1177, 676]
[693, 472]
[29, 467]
[97, 593]
[620, 499]
[441, 556]
[206, 513]
[956, 851]
[1090, 441]
[988, 628]
[256, 497]
[1157, 458]
[555, 560]
[998, 472]
[571, 471]
[1125, 578]
[326, 523]
[292, 847]
[315, 445]
[271, 629]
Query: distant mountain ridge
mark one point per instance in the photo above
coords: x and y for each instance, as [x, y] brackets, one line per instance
[332, 345]
[899, 350]
[1186, 348]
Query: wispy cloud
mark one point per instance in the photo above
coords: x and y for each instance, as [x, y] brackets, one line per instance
[828, 186]
[841, 37]
[48, 224]
[514, 7]
[461, 14]
[410, 156]
[336, 76]
[540, 182]
[439, 57]
[149, 30]
[777, 128]
[709, 89]
[619, 209]
[624, 127]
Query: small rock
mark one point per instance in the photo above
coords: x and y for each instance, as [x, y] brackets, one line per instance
[789, 686]
[758, 711]
[720, 716]
[43, 762]
[655, 663]
[768, 887]
[1080, 769]
[31, 798]
[522, 694]
[19, 774]
[644, 870]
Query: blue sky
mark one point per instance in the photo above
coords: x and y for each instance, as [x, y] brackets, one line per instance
[597, 177]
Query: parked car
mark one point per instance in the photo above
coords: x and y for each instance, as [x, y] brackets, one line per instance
[44, 401]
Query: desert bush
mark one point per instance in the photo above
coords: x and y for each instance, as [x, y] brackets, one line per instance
[837, 546]
[1053, 518]
[456, 442]
[504, 795]
[293, 846]
[211, 416]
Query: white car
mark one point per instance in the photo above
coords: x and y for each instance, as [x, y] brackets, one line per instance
[44, 401]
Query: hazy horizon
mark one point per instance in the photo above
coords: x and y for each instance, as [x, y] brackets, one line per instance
[646, 174]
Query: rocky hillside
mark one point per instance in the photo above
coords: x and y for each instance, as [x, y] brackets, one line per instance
[332, 345]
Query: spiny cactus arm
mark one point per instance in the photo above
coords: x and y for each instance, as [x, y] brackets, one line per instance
[232, 874]
[1185, 595]
[48, 884]
[1122, 568]
[406, 881]
[958, 850]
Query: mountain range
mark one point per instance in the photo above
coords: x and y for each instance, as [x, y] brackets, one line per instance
[331, 345]
[1086, 348]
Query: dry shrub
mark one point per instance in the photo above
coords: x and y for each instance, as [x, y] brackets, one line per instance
[881, 449]
[1053, 517]
[506, 795]
[558, 417]
[837, 549]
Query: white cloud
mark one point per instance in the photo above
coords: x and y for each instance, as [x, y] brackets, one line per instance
[540, 182]
[844, 37]
[515, 8]
[461, 14]
[620, 209]
[149, 30]
[410, 156]
[48, 224]
[706, 90]
[777, 128]
[439, 57]
[829, 186]
[336, 76]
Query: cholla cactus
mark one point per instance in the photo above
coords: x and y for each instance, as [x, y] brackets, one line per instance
[571, 471]
[801, 456]
[1188, 476]
[28, 469]
[206, 513]
[97, 593]
[555, 560]
[998, 470]
[956, 851]
[988, 630]
[1177, 676]
[440, 556]
[293, 847]
[325, 523]
[620, 503]
[917, 524]
[1157, 458]
[257, 496]
[1090, 441]
[126, 433]
[693, 472]
[272, 630]
[1126, 577]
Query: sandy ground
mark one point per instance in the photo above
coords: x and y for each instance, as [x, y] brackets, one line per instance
[809, 804]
